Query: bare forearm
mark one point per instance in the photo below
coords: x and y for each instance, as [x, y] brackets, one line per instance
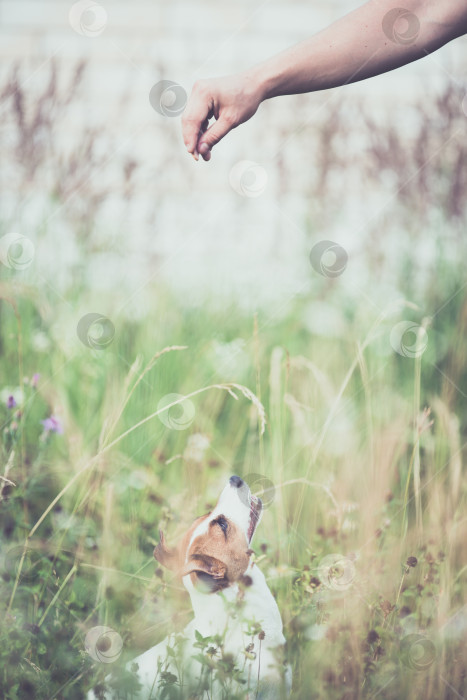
[371, 40]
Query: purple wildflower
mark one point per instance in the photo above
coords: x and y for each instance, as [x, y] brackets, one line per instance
[35, 380]
[11, 403]
[52, 425]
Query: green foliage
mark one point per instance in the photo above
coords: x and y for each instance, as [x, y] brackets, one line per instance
[342, 465]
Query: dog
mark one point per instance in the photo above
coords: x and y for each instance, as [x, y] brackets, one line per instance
[234, 646]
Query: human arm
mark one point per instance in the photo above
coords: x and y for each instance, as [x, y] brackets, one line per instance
[371, 40]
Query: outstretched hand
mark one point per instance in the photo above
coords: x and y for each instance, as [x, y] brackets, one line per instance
[366, 42]
[230, 100]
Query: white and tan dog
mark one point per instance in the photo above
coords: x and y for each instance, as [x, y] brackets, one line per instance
[232, 605]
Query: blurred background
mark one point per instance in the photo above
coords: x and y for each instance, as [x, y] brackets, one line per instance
[92, 158]
[318, 260]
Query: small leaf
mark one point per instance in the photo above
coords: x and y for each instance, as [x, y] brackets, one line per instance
[202, 641]
[203, 660]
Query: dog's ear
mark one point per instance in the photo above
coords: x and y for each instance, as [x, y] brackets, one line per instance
[165, 556]
[209, 574]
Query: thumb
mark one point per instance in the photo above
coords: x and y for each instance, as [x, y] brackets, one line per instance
[213, 135]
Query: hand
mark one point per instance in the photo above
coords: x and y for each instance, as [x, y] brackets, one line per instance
[231, 100]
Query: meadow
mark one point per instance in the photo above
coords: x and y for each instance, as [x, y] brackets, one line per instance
[114, 428]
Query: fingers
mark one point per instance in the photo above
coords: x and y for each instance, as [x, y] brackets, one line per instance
[213, 135]
[202, 152]
[195, 117]
[200, 138]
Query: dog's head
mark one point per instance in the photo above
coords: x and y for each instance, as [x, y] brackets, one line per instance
[215, 551]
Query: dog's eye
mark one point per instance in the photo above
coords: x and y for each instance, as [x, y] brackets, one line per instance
[222, 522]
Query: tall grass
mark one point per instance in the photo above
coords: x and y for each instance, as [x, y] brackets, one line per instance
[90, 508]
[361, 451]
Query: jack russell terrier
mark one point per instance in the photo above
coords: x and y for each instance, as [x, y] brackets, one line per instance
[234, 646]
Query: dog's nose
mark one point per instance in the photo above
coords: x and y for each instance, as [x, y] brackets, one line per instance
[236, 481]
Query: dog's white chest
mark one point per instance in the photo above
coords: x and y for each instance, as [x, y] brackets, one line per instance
[232, 645]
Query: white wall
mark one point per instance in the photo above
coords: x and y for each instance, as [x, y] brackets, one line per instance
[186, 223]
